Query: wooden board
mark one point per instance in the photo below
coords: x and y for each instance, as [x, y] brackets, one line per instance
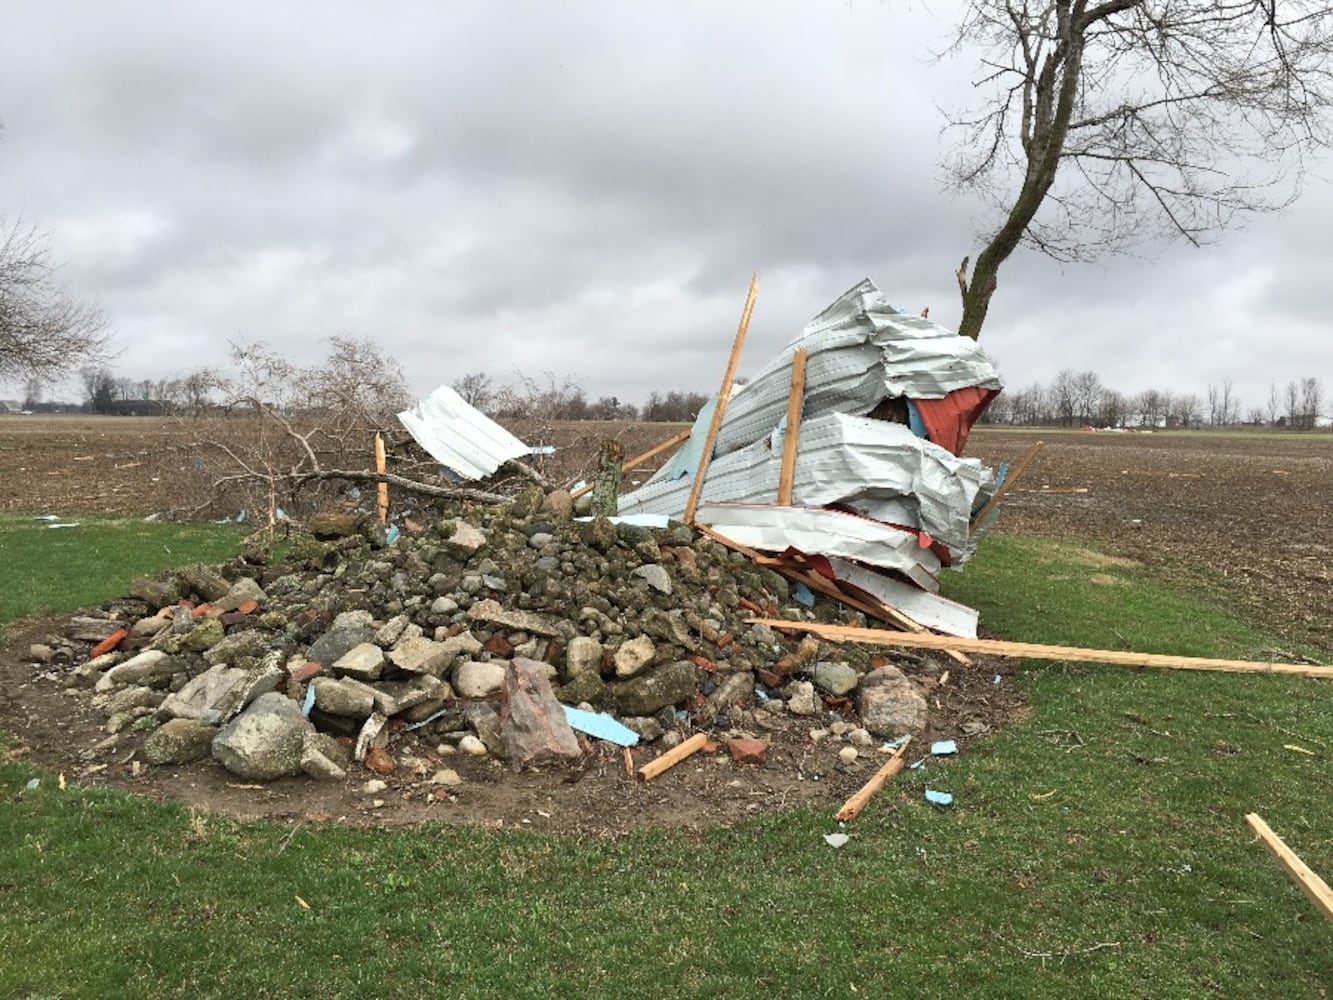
[1019, 468]
[672, 757]
[722, 396]
[1311, 884]
[853, 806]
[1036, 651]
[792, 435]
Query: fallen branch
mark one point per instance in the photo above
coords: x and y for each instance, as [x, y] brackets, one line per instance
[1315, 888]
[857, 802]
[1036, 651]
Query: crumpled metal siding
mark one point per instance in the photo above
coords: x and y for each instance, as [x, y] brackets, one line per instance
[879, 469]
[459, 436]
[859, 350]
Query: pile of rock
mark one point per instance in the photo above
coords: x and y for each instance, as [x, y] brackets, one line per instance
[351, 641]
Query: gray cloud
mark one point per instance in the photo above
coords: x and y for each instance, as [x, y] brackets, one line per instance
[576, 188]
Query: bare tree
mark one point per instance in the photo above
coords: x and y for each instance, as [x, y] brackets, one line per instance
[1104, 122]
[475, 388]
[44, 332]
[1312, 402]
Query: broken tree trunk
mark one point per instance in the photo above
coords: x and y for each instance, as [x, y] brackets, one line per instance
[1036, 651]
[606, 485]
[630, 463]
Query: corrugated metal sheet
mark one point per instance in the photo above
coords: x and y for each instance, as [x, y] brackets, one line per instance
[879, 469]
[859, 350]
[828, 532]
[459, 436]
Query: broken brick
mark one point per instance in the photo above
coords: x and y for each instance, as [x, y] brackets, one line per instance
[379, 761]
[498, 645]
[745, 751]
[108, 644]
[302, 672]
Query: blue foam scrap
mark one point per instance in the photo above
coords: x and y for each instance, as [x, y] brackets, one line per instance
[601, 726]
[942, 748]
[938, 798]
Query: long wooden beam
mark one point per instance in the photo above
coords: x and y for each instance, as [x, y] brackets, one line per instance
[1019, 468]
[630, 463]
[873, 608]
[853, 806]
[1311, 884]
[793, 434]
[721, 406]
[1035, 651]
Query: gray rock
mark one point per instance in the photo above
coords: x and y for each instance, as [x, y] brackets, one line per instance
[238, 647]
[336, 643]
[477, 679]
[420, 655]
[465, 540]
[657, 576]
[801, 699]
[128, 698]
[353, 619]
[633, 656]
[364, 661]
[151, 626]
[204, 581]
[204, 635]
[221, 691]
[835, 678]
[392, 697]
[470, 744]
[485, 722]
[587, 687]
[493, 613]
[668, 684]
[265, 741]
[156, 593]
[646, 726]
[463, 644]
[732, 690]
[392, 630]
[583, 656]
[540, 540]
[150, 665]
[890, 704]
[40, 653]
[178, 741]
[346, 697]
[558, 505]
[324, 758]
[532, 723]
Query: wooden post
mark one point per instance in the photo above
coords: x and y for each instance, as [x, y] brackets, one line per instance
[1036, 651]
[381, 467]
[1311, 884]
[722, 396]
[789, 442]
[672, 757]
[1019, 467]
[857, 802]
[630, 463]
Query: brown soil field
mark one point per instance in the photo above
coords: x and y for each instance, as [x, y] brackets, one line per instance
[1252, 513]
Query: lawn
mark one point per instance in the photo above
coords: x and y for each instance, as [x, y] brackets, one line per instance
[1096, 850]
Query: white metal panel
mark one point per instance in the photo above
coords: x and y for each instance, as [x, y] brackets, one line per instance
[459, 436]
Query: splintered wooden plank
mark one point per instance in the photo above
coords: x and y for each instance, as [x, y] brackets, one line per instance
[1315, 888]
[722, 396]
[381, 467]
[1019, 468]
[793, 434]
[857, 802]
[672, 757]
[630, 463]
[1036, 651]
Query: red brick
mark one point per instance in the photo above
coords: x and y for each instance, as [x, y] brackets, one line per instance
[498, 645]
[379, 761]
[747, 751]
[304, 671]
[108, 644]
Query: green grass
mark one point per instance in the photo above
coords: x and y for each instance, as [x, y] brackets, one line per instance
[1097, 850]
[44, 569]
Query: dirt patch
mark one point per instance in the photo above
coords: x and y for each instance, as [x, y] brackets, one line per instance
[57, 731]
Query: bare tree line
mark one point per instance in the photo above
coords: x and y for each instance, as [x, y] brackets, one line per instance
[1078, 399]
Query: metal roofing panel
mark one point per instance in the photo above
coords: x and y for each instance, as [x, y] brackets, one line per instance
[459, 436]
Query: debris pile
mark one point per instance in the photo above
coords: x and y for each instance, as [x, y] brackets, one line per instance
[486, 633]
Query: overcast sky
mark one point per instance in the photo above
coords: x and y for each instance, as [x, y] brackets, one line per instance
[575, 188]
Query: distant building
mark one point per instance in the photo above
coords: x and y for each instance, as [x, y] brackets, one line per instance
[10, 406]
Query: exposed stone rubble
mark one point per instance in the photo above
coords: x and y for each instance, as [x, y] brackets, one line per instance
[351, 653]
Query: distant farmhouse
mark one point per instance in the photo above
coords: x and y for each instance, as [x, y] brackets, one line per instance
[10, 406]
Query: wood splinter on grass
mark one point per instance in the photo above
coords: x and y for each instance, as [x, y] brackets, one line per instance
[672, 757]
[857, 802]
